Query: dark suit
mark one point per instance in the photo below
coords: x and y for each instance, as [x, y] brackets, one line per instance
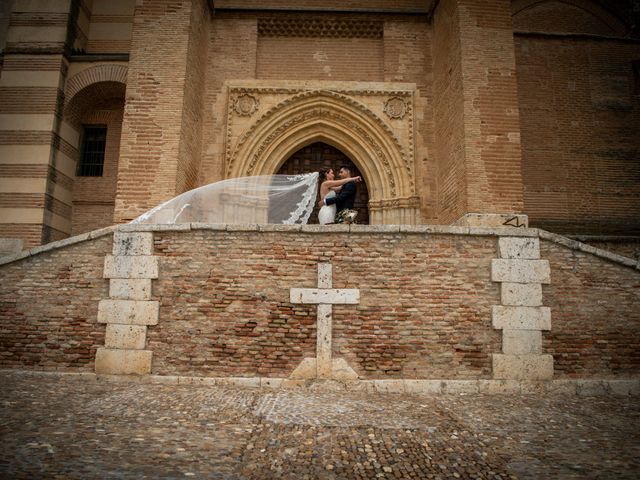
[345, 198]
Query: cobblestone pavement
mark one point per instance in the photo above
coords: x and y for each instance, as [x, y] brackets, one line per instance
[69, 427]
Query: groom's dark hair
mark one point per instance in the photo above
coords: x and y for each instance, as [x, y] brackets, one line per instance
[347, 168]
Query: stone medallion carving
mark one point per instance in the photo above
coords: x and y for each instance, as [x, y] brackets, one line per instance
[395, 108]
[245, 105]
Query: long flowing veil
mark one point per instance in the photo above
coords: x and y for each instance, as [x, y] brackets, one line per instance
[286, 199]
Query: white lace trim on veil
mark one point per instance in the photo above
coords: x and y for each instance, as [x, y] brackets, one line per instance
[284, 199]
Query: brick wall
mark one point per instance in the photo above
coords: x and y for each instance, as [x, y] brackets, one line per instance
[232, 55]
[477, 124]
[357, 59]
[191, 134]
[413, 5]
[424, 312]
[448, 114]
[48, 308]
[580, 134]
[93, 197]
[595, 319]
[415, 294]
[408, 58]
[152, 126]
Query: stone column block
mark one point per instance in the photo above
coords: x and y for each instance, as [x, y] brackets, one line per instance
[521, 294]
[123, 362]
[522, 367]
[520, 271]
[521, 342]
[128, 312]
[519, 247]
[130, 288]
[131, 337]
[130, 267]
[132, 243]
[521, 318]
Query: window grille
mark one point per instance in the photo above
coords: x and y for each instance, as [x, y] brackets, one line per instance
[94, 140]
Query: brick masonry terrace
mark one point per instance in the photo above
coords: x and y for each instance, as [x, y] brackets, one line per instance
[389, 308]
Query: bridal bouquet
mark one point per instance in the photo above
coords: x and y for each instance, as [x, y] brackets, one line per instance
[346, 216]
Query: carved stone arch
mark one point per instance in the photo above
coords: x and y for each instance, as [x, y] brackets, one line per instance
[607, 18]
[346, 124]
[99, 73]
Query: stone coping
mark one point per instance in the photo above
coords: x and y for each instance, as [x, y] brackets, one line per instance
[581, 387]
[324, 229]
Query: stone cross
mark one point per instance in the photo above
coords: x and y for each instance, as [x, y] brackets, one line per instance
[325, 297]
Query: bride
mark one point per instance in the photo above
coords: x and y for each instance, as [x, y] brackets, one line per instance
[329, 188]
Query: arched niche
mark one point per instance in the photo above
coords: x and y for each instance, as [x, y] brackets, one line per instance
[319, 156]
[335, 119]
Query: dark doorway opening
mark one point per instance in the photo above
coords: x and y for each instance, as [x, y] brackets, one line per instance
[319, 156]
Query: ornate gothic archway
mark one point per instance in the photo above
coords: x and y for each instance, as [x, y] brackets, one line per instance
[348, 125]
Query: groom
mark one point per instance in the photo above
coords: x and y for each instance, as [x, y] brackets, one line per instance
[346, 197]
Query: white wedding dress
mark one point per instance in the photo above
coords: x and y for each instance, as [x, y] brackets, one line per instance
[327, 213]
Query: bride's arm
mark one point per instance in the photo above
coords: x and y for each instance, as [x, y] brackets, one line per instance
[338, 183]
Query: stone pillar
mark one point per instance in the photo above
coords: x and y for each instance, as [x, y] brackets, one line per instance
[37, 149]
[129, 309]
[477, 125]
[521, 316]
[161, 130]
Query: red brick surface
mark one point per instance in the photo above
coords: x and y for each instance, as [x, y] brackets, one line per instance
[48, 308]
[424, 312]
[595, 315]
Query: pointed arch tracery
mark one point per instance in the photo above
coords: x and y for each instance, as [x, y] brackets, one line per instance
[344, 123]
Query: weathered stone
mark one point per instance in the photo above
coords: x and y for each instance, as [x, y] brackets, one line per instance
[128, 312]
[130, 288]
[132, 243]
[130, 267]
[389, 386]
[521, 294]
[501, 387]
[341, 371]
[329, 296]
[493, 220]
[423, 386]
[123, 362]
[305, 370]
[521, 318]
[459, 386]
[591, 387]
[355, 228]
[522, 367]
[125, 336]
[270, 382]
[624, 386]
[519, 247]
[10, 246]
[325, 275]
[520, 271]
[521, 342]
[323, 341]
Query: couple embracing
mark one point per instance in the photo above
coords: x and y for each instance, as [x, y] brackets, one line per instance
[337, 196]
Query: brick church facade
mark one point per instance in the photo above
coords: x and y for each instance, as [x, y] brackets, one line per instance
[454, 111]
